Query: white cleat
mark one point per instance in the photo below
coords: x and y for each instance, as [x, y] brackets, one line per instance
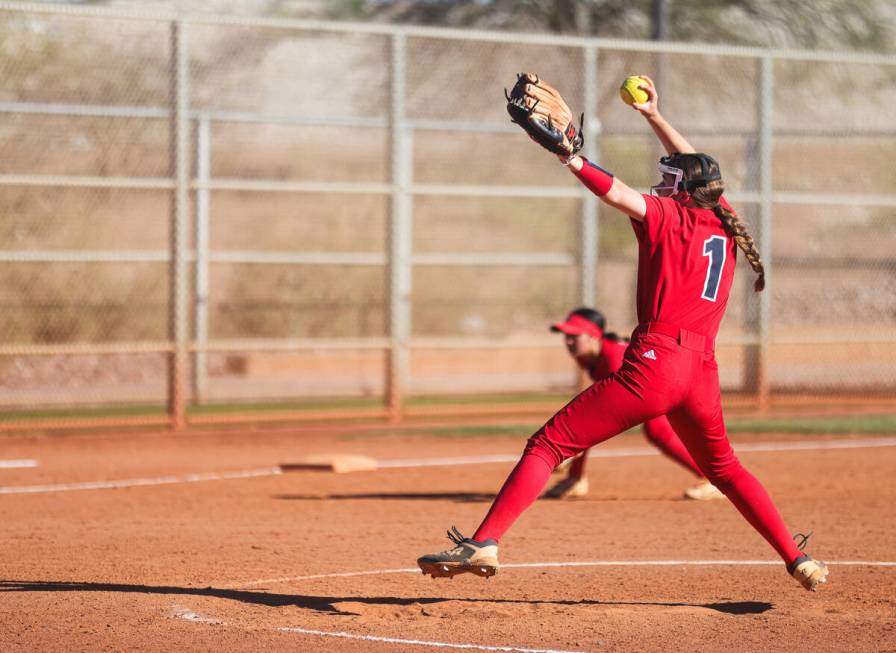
[808, 572]
[569, 488]
[467, 557]
[703, 491]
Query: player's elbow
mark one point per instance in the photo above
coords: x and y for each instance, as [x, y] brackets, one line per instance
[626, 199]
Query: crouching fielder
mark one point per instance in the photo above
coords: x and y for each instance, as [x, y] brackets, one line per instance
[687, 239]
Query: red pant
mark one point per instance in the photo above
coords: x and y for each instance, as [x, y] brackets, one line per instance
[661, 435]
[678, 379]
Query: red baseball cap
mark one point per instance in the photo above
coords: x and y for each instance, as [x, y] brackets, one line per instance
[576, 324]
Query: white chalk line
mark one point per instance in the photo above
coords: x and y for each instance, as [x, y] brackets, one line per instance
[17, 464]
[140, 482]
[589, 563]
[434, 462]
[420, 642]
[598, 452]
[190, 615]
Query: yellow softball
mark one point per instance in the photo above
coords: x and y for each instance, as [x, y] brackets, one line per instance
[630, 93]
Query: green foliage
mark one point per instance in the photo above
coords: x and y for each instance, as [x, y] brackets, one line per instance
[811, 24]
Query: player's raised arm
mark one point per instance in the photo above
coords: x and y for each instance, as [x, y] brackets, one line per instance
[671, 139]
[608, 188]
[543, 114]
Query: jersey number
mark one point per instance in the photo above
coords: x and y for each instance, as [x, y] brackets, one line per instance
[714, 248]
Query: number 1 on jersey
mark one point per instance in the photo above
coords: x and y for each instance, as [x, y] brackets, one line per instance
[714, 248]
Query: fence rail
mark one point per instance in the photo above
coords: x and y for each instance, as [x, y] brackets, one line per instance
[191, 183]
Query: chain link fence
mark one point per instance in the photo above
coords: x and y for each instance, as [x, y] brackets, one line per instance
[202, 211]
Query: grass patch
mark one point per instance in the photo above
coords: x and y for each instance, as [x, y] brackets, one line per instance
[496, 430]
[284, 406]
[519, 431]
[137, 410]
[839, 425]
[558, 398]
[16, 415]
[141, 410]
[843, 424]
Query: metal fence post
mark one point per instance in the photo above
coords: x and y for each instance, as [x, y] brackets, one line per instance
[766, 100]
[400, 230]
[180, 204]
[749, 298]
[200, 293]
[590, 216]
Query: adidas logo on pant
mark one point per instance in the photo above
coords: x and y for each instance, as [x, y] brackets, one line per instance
[649, 354]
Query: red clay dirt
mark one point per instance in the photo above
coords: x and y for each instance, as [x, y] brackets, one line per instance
[214, 564]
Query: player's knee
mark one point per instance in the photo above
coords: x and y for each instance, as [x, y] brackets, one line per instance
[722, 471]
[540, 445]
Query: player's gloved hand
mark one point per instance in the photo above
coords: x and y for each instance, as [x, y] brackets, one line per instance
[539, 109]
[651, 107]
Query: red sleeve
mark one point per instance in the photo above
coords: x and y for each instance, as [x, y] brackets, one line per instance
[655, 221]
[725, 204]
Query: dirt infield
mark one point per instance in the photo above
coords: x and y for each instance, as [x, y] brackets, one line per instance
[324, 562]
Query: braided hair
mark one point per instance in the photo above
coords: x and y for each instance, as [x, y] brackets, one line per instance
[706, 195]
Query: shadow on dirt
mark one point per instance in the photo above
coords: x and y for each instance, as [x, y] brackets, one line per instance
[329, 604]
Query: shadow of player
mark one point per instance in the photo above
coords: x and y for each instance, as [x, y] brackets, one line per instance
[329, 604]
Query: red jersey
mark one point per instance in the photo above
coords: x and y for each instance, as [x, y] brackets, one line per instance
[610, 358]
[685, 266]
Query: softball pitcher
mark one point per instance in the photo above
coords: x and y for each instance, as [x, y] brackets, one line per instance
[687, 239]
[600, 353]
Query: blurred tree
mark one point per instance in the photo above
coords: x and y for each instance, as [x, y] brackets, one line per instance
[813, 24]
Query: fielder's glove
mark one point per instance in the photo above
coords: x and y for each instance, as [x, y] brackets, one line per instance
[538, 108]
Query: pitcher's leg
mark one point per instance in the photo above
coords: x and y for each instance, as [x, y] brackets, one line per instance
[605, 409]
[661, 435]
[521, 488]
[708, 444]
